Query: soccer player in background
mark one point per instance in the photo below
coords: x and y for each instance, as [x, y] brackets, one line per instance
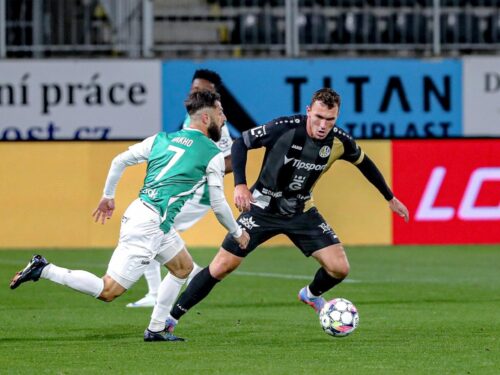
[196, 207]
[299, 150]
[178, 164]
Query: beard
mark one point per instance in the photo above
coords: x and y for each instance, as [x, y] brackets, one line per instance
[214, 131]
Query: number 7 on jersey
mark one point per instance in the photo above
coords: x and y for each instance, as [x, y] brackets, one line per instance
[178, 153]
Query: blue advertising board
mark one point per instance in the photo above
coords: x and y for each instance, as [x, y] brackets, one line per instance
[381, 98]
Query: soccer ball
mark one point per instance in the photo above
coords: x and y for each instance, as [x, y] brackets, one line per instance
[339, 317]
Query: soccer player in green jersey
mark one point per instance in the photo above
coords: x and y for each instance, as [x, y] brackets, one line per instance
[199, 204]
[178, 164]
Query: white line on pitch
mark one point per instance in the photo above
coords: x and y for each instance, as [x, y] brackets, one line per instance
[89, 263]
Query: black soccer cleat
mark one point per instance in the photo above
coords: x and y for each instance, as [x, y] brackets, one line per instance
[31, 272]
[160, 336]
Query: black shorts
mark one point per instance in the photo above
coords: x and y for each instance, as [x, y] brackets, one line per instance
[308, 231]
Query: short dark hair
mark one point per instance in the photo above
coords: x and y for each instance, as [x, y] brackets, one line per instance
[210, 76]
[200, 99]
[327, 96]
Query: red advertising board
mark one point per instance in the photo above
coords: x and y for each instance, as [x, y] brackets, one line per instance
[452, 189]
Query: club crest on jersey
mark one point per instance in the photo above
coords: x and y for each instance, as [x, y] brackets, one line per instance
[248, 222]
[258, 132]
[223, 143]
[325, 151]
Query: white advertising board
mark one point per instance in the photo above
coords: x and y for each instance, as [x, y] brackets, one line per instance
[79, 99]
[481, 96]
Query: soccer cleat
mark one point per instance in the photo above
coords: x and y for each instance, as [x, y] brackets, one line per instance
[170, 324]
[31, 272]
[160, 336]
[147, 301]
[316, 303]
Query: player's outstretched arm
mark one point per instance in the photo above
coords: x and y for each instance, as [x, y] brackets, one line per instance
[399, 208]
[136, 154]
[104, 210]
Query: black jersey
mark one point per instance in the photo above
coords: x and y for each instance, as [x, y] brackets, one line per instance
[294, 162]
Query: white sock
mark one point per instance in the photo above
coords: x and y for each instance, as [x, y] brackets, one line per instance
[81, 281]
[153, 277]
[167, 294]
[194, 272]
[309, 294]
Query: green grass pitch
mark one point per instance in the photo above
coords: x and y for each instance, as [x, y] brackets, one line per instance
[423, 310]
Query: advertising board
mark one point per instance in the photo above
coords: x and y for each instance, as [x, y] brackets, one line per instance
[452, 189]
[79, 99]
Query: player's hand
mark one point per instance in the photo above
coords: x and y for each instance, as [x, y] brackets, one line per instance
[104, 210]
[399, 208]
[243, 239]
[242, 198]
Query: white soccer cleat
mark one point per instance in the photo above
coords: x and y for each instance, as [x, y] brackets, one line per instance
[147, 301]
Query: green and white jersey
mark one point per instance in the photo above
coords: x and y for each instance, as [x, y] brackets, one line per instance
[178, 164]
[224, 145]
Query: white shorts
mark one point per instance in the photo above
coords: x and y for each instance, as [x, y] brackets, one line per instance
[191, 212]
[141, 241]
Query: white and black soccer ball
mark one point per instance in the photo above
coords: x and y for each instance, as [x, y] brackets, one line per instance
[339, 317]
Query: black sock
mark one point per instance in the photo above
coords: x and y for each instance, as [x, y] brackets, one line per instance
[197, 289]
[322, 282]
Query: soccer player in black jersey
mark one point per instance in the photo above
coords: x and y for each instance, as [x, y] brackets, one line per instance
[299, 150]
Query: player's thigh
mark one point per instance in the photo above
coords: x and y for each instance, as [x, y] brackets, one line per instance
[140, 237]
[310, 232]
[173, 254]
[260, 227]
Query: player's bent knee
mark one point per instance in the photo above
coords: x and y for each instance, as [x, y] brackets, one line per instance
[223, 264]
[183, 272]
[107, 296]
[340, 272]
[181, 265]
[112, 289]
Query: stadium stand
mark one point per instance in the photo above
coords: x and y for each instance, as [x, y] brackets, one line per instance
[222, 28]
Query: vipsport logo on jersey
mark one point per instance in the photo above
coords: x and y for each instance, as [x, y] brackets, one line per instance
[299, 164]
[248, 222]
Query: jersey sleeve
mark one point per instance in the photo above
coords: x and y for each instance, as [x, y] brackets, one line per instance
[137, 153]
[215, 171]
[352, 152]
[267, 134]
[141, 151]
